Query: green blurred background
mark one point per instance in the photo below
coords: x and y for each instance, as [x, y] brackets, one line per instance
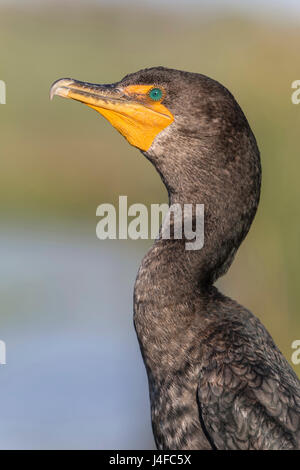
[62, 290]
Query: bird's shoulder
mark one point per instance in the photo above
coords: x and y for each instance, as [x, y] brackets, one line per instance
[249, 396]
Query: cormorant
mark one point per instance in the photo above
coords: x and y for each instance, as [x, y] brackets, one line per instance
[216, 378]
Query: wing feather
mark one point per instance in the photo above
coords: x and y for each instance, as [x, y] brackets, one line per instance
[249, 397]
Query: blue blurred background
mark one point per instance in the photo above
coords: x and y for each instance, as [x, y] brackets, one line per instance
[74, 376]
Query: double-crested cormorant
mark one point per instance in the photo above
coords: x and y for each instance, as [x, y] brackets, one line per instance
[216, 378]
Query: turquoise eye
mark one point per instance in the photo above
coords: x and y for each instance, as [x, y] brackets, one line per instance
[155, 94]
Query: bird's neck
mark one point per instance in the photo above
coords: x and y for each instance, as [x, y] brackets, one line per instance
[163, 306]
[174, 286]
[171, 293]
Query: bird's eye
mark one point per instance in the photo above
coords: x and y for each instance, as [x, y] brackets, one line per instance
[155, 94]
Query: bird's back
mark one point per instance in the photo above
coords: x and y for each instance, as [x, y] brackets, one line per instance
[234, 389]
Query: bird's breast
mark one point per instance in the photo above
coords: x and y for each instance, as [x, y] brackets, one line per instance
[175, 412]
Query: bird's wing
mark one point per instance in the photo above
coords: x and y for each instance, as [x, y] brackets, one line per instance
[247, 400]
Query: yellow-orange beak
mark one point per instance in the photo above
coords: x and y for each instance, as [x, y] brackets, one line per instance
[130, 109]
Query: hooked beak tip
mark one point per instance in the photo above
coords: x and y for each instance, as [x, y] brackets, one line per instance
[60, 87]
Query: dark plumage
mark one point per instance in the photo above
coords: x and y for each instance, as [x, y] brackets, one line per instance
[216, 378]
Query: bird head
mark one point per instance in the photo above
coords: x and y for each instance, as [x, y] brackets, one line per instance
[196, 135]
[185, 123]
[134, 106]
